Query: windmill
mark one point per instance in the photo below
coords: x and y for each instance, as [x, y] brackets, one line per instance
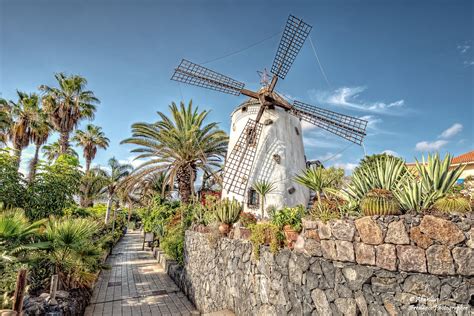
[265, 141]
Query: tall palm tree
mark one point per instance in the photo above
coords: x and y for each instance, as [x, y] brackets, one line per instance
[90, 140]
[179, 145]
[53, 151]
[23, 114]
[68, 104]
[40, 131]
[118, 172]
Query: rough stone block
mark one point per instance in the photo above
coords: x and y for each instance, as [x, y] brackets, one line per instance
[442, 230]
[439, 260]
[419, 238]
[464, 258]
[384, 285]
[346, 306]
[320, 302]
[365, 254]
[411, 258]
[312, 247]
[324, 230]
[307, 224]
[328, 248]
[422, 285]
[470, 241]
[386, 257]
[311, 234]
[344, 251]
[343, 230]
[397, 234]
[369, 231]
[356, 276]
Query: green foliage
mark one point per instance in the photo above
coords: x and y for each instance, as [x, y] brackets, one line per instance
[380, 172]
[12, 190]
[173, 243]
[53, 188]
[181, 143]
[435, 180]
[74, 250]
[203, 215]
[289, 216]
[379, 202]
[228, 211]
[452, 204]
[333, 207]
[265, 233]
[263, 188]
[319, 179]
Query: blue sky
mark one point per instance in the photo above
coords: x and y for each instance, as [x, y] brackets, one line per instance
[406, 66]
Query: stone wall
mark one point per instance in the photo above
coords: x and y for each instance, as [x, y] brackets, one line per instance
[371, 266]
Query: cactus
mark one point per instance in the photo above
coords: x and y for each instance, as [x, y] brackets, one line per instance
[228, 212]
[452, 204]
[380, 202]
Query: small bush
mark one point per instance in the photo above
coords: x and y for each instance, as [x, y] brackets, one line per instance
[173, 243]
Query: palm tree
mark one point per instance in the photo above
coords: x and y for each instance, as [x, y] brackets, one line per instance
[179, 145]
[91, 139]
[68, 105]
[118, 172]
[92, 187]
[263, 188]
[40, 131]
[5, 121]
[23, 114]
[53, 151]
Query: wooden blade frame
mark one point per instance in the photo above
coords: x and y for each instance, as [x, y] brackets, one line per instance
[345, 126]
[295, 33]
[240, 161]
[194, 74]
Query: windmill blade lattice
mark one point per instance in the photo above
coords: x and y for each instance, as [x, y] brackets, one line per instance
[295, 33]
[194, 74]
[345, 126]
[240, 161]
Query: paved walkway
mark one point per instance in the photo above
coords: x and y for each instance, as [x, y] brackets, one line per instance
[136, 285]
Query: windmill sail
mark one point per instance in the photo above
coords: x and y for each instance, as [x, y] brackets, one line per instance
[295, 33]
[345, 126]
[194, 74]
[240, 161]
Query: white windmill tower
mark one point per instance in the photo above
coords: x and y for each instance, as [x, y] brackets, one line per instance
[266, 141]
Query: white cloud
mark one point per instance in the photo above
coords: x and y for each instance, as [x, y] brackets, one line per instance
[451, 131]
[348, 167]
[463, 48]
[348, 97]
[391, 153]
[469, 63]
[430, 146]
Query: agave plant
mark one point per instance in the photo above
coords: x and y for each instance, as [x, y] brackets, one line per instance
[320, 180]
[228, 212]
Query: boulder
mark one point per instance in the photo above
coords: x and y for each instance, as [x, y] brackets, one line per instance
[439, 260]
[369, 231]
[441, 230]
[397, 234]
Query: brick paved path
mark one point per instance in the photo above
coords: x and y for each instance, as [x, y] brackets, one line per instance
[136, 285]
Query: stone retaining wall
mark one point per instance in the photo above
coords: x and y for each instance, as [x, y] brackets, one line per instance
[371, 266]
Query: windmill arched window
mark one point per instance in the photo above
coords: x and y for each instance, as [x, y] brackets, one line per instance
[253, 199]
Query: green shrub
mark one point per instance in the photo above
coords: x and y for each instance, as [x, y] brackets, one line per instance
[173, 243]
[12, 184]
[291, 216]
[265, 233]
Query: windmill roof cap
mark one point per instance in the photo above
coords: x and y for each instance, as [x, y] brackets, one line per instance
[255, 102]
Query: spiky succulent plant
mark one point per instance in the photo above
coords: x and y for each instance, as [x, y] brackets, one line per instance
[379, 202]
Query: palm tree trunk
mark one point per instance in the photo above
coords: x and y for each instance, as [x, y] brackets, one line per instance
[64, 141]
[17, 152]
[33, 164]
[88, 165]
[109, 206]
[184, 176]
